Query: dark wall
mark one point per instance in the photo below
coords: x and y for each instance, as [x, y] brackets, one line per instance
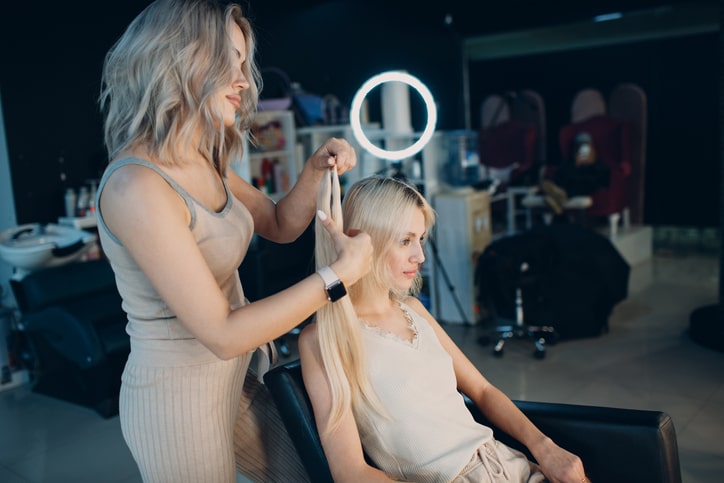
[335, 47]
[50, 79]
[52, 57]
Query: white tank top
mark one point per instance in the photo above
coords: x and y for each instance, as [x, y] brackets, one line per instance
[432, 435]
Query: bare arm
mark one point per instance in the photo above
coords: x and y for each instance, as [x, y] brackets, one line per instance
[557, 464]
[151, 221]
[284, 221]
[342, 447]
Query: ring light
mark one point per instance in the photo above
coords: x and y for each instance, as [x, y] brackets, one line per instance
[375, 81]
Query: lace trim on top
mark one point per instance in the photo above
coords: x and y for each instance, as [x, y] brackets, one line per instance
[391, 335]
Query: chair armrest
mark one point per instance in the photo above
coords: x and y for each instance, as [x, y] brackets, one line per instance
[615, 444]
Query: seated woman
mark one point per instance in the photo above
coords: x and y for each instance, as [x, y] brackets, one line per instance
[384, 377]
[581, 175]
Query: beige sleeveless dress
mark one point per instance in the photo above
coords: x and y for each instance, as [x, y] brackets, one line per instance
[186, 415]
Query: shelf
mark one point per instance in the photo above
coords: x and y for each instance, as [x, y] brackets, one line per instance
[276, 135]
[254, 155]
[80, 222]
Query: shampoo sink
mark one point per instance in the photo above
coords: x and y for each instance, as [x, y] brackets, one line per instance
[36, 246]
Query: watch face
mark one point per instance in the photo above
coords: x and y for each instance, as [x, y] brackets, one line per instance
[336, 291]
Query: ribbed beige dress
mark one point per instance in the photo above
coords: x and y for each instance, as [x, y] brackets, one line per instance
[186, 415]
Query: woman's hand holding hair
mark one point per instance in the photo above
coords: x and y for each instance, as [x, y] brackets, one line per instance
[334, 152]
[354, 252]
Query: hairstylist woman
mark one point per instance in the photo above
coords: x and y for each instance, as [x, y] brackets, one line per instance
[179, 92]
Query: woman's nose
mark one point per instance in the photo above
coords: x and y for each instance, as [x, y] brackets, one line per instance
[419, 255]
[240, 82]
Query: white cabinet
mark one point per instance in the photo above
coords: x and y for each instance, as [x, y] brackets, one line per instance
[462, 231]
[271, 165]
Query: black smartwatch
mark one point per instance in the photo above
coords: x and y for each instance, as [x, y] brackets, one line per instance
[332, 284]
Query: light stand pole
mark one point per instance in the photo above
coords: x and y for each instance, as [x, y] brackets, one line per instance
[449, 22]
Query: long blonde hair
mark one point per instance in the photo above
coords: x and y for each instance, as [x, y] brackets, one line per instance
[375, 205]
[160, 77]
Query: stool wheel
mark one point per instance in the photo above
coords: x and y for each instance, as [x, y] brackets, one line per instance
[540, 349]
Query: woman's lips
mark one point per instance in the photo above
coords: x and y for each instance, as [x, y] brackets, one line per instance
[235, 100]
[410, 273]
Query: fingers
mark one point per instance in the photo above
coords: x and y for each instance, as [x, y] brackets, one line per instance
[334, 231]
[338, 237]
[354, 252]
[328, 223]
[335, 152]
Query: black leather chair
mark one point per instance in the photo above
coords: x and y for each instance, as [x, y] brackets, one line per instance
[616, 445]
[75, 328]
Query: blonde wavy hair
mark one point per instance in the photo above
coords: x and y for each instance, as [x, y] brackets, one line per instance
[160, 77]
[378, 206]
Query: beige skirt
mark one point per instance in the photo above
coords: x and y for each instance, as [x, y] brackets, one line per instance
[188, 417]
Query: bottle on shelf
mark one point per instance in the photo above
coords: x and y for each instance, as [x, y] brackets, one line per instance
[92, 197]
[281, 178]
[70, 202]
[83, 202]
[267, 174]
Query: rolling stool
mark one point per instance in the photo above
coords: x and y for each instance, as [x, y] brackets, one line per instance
[540, 334]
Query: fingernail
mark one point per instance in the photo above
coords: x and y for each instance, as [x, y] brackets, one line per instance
[322, 215]
[330, 161]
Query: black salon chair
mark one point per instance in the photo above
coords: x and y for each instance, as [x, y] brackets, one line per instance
[519, 328]
[550, 283]
[616, 445]
[510, 276]
[75, 329]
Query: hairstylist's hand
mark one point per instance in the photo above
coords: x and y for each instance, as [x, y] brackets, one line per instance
[354, 252]
[334, 152]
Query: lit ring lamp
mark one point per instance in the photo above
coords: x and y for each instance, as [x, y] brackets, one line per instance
[356, 123]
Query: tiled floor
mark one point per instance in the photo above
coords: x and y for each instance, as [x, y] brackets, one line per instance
[646, 361]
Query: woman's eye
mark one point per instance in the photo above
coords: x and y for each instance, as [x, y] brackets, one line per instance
[405, 242]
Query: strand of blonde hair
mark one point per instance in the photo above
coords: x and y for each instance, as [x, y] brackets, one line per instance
[338, 328]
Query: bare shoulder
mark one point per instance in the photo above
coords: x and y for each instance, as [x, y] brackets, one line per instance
[134, 181]
[415, 304]
[309, 338]
[136, 198]
[310, 351]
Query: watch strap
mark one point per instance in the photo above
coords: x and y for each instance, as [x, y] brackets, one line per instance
[327, 275]
[332, 284]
